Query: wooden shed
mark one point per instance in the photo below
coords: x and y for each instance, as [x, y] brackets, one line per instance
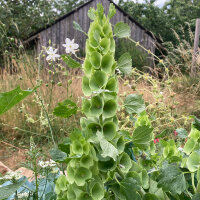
[62, 28]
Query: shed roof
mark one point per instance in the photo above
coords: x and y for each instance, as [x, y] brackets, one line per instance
[34, 35]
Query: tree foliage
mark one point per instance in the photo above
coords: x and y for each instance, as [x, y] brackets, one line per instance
[160, 21]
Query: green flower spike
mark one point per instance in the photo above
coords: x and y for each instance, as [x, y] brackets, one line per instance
[98, 164]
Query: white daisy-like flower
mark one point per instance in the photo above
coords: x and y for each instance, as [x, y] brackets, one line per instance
[70, 46]
[22, 195]
[12, 175]
[52, 54]
[46, 164]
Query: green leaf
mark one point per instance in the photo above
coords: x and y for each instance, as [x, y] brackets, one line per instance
[70, 61]
[134, 104]
[8, 190]
[65, 145]
[77, 27]
[65, 109]
[182, 133]
[11, 98]
[58, 155]
[172, 179]
[125, 64]
[196, 196]
[193, 162]
[189, 146]
[122, 30]
[149, 196]
[107, 148]
[129, 188]
[112, 11]
[142, 135]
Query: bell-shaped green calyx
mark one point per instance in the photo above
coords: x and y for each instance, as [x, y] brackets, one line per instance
[107, 29]
[105, 45]
[112, 85]
[96, 190]
[125, 163]
[70, 174]
[95, 59]
[120, 144]
[87, 67]
[77, 147]
[96, 108]
[107, 165]
[81, 175]
[86, 161]
[109, 130]
[94, 127]
[84, 196]
[85, 86]
[107, 62]
[110, 108]
[98, 80]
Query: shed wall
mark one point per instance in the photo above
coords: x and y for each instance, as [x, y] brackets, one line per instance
[63, 29]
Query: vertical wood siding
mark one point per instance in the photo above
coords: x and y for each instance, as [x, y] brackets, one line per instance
[63, 29]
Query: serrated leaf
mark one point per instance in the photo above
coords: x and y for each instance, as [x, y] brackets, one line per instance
[58, 155]
[134, 104]
[122, 30]
[172, 179]
[77, 27]
[129, 188]
[125, 64]
[196, 196]
[142, 135]
[11, 98]
[70, 61]
[107, 148]
[8, 190]
[65, 109]
[112, 11]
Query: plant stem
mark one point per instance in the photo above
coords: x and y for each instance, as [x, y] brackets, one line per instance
[193, 185]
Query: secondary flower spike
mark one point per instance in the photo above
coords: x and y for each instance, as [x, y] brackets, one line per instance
[70, 46]
[52, 54]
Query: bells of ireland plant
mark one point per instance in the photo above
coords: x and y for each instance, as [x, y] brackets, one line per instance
[97, 162]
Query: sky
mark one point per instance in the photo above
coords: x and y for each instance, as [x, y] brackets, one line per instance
[158, 3]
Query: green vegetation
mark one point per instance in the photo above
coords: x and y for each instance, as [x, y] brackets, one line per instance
[133, 136]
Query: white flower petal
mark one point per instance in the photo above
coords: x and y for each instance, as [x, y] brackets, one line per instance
[67, 40]
[75, 46]
[49, 57]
